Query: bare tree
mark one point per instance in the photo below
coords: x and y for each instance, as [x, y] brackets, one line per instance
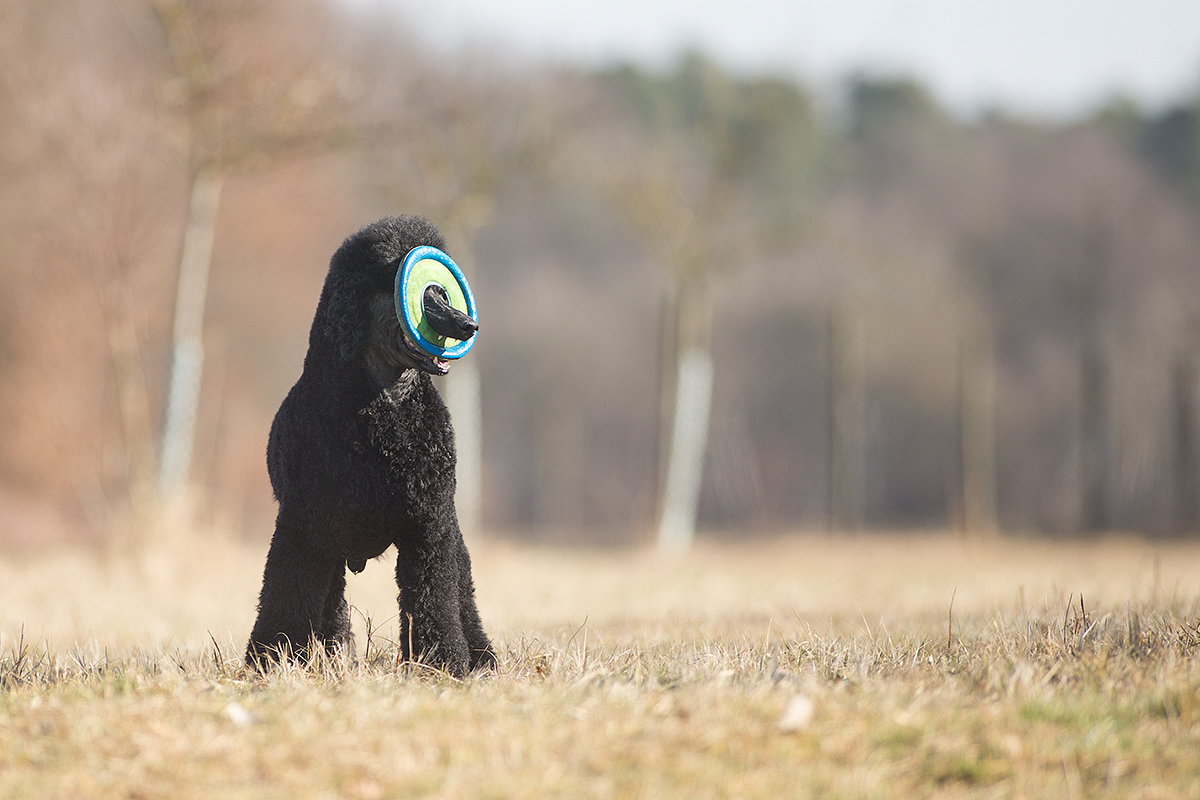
[1184, 438]
[977, 417]
[691, 182]
[247, 84]
[447, 163]
[846, 424]
[1094, 438]
[442, 141]
[687, 211]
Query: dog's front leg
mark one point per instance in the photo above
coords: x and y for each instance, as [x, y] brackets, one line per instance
[483, 655]
[335, 632]
[295, 603]
[430, 621]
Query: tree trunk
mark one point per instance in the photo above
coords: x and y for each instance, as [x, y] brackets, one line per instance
[668, 374]
[463, 391]
[1094, 444]
[1094, 449]
[187, 361]
[1184, 440]
[978, 436]
[845, 421]
[692, 402]
[463, 400]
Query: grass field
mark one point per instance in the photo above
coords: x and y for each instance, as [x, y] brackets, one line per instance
[808, 666]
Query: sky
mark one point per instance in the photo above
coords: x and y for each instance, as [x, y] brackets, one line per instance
[1051, 59]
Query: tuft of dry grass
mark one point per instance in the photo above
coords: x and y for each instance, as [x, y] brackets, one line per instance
[881, 666]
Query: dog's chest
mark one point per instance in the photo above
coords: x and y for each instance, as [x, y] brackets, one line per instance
[408, 428]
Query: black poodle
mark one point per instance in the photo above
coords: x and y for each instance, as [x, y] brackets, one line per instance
[361, 457]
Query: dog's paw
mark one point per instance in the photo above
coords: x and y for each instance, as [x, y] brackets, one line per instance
[484, 659]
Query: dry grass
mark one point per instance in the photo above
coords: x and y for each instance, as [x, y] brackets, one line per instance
[931, 668]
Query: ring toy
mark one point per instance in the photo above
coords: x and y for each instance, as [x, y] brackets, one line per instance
[422, 267]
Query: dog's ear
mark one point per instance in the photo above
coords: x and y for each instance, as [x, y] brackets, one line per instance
[346, 321]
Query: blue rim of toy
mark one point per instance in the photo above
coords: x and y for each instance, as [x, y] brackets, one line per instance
[404, 313]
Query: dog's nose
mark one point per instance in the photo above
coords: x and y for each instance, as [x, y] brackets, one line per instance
[445, 319]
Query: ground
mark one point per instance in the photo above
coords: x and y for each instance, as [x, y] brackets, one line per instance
[872, 666]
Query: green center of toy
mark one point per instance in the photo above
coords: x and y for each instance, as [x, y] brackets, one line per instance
[425, 272]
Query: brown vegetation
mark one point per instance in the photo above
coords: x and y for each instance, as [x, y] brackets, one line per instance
[814, 666]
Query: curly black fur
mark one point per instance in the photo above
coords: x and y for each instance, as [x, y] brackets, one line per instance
[361, 456]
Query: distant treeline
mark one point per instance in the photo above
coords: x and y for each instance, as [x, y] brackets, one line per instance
[912, 319]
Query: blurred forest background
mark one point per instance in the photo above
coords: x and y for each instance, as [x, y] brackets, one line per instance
[915, 320]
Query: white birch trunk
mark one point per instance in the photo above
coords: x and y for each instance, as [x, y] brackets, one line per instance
[685, 469]
[464, 401]
[187, 363]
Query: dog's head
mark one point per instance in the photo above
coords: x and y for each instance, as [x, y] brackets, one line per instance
[357, 307]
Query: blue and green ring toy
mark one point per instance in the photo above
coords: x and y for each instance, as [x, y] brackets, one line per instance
[425, 266]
